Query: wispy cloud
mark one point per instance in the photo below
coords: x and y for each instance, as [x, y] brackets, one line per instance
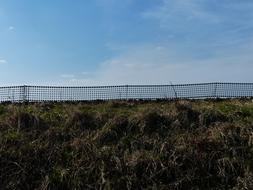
[162, 64]
[3, 61]
[67, 76]
[181, 10]
[205, 22]
[110, 4]
[11, 28]
[182, 41]
[202, 41]
[86, 73]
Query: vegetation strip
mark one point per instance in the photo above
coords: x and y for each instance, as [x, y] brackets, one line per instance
[200, 144]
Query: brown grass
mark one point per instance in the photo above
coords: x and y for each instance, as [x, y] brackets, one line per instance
[127, 145]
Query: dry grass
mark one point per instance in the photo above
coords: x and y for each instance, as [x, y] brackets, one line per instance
[127, 145]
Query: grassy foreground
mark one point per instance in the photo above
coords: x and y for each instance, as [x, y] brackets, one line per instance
[127, 145]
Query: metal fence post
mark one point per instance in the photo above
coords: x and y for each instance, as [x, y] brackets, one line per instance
[24, 93]
[215, 90]
[126, 92]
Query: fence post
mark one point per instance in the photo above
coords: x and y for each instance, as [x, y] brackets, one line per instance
[215, 90]
[126, 92]
[24, 93]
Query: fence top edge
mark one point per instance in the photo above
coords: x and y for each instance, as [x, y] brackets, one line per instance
[118, 86]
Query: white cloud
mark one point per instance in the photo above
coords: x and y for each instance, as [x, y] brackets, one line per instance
[163, 64]
[203, 21]
[113, 4]
[3, 61]
[85, 73]
[11, 28]
[206, 41]
[67, 76]
[110, 2]
[172, 12]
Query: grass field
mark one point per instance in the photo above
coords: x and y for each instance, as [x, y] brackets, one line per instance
[200, 144]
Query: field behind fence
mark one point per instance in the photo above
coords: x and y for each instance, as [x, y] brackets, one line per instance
[125, 92]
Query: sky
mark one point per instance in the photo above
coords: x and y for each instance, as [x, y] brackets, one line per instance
[118, 42]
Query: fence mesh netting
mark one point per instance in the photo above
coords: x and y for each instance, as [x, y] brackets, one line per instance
[126, 92]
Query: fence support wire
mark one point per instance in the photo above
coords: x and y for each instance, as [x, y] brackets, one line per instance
[125, 92]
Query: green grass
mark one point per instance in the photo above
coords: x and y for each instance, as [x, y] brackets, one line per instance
[200, 144]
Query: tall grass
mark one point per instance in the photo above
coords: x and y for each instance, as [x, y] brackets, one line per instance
[127, 145]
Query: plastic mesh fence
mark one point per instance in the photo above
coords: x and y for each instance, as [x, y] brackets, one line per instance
[136, 92]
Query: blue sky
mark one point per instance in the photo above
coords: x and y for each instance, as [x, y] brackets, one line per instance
[107, 42]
